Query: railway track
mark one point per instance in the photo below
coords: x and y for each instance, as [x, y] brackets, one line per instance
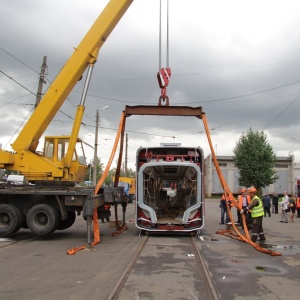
[165, 267]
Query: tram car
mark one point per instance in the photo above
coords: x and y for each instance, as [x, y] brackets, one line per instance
[169, 189]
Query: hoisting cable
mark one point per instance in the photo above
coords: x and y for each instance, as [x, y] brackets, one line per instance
[228, 195]
[164, 74]
[97, 188]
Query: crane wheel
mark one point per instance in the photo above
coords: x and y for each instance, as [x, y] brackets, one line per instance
[68, 222]
[42, 219]
[11, 219]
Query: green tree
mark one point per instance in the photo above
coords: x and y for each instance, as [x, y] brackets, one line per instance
[130, 173]
[88, 173]
[100, 169]
[112, 173]
[90, 169]
[108, 179]
[255, 159]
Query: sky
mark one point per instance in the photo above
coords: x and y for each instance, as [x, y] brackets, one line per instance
[238, 60]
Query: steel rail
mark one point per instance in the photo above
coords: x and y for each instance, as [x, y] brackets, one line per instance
[202, 265]
[117, 288]
[200, 261]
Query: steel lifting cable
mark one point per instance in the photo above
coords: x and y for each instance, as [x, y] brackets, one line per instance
[97, 188]
[236, 235]
[164, 74]
[160, 35]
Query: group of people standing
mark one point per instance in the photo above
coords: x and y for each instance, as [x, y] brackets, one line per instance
[255, 209]
[289, 204]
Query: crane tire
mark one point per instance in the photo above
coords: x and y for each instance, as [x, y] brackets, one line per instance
[11, 219]
[42, 219]
[68, 222]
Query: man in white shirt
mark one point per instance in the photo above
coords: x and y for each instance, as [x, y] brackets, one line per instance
[284, 207]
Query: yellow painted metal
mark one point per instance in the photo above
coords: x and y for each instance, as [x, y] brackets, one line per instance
[130, 181]
[74, 135]
[6, 158]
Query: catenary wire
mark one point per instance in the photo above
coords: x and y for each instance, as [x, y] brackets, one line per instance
[214, 100]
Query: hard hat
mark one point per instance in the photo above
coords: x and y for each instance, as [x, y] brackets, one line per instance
[252, 190]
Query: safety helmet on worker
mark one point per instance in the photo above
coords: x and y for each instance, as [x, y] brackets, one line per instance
[252, 190]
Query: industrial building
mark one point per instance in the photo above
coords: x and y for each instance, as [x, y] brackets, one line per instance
[287, 170]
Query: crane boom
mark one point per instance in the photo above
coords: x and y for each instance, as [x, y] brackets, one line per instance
[60, 160]
[48, 198]
[84, 55]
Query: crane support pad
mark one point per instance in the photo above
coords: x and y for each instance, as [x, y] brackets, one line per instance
[185, 111]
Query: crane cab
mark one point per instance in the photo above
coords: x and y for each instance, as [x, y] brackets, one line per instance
[56, 149]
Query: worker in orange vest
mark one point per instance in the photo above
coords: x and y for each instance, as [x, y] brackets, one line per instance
[298, 206]
[243, 200]
[223, 207]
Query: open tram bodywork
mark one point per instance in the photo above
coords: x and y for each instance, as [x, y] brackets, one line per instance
[170, 191]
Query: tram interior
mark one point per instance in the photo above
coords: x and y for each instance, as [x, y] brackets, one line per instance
[169, 191]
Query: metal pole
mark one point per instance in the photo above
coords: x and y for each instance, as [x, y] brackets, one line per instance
[90, 172]
[89, 229]
[126, 153]
[159, 50]
[95, 150]
[41, 82]
[168, 34]
[86, 84]
[95, 164]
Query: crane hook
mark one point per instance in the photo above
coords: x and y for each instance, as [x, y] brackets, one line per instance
[163, 77]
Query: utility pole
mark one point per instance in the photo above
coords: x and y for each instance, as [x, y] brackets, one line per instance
[95, 164]
[41, 82]
[126, 151]
[95, 150]
[90, 171]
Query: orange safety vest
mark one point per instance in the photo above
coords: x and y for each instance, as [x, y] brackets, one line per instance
[240, 200]
[298, 203]
[228, 199]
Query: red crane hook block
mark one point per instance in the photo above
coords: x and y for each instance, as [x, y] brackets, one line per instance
[163, 77]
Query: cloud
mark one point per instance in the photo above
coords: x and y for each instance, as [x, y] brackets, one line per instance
[237, 60]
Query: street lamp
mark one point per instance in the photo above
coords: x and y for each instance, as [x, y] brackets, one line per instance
[96, 146]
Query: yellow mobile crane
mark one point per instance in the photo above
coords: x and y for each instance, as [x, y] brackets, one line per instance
[51, 202]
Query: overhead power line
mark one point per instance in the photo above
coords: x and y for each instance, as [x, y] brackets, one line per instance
[247, 95]
[24, 87]
[19, 60]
